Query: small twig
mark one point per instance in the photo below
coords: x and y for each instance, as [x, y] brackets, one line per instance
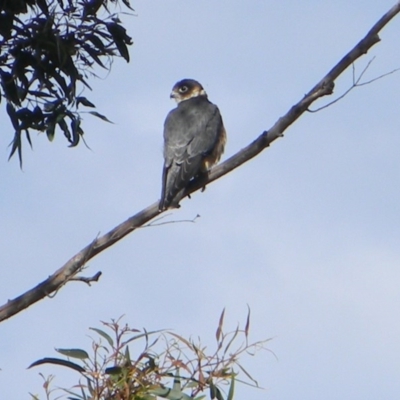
[333, 101]
[356, 83]
[379, 77]
[154, 222]
[363, 71]
[88, 280]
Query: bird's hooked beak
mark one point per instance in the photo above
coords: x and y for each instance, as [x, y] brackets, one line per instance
[174, 95]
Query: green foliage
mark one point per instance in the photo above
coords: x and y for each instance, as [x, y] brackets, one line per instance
[48, 49]
[166, 365]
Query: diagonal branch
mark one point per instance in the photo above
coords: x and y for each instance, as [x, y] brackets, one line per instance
[77, 262]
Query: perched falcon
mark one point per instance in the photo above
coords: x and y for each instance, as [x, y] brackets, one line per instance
[194, 140]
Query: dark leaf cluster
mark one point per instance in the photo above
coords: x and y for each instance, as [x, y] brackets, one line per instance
[48, 50]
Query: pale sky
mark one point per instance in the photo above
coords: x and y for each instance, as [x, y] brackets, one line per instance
[307, 234]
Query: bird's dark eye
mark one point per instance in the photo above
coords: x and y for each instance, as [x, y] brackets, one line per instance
[183, 89]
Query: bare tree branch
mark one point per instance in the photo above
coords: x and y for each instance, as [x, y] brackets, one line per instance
[76, 263]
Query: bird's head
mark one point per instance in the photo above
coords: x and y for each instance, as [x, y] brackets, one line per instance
[186, 89]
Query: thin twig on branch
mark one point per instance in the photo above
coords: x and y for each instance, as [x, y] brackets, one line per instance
[156, 222]
[75, 264]
[356, 83]
[87, 279]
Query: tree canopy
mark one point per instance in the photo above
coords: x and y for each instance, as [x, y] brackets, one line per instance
[49, 49]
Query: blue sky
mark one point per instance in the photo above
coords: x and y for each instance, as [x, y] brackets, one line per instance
[307, 234]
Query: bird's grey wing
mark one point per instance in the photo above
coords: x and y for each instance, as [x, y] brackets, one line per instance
[189, 135]
[179, 167]
[210, 124]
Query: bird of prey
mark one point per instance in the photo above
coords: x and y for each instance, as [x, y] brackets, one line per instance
[194, 140]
